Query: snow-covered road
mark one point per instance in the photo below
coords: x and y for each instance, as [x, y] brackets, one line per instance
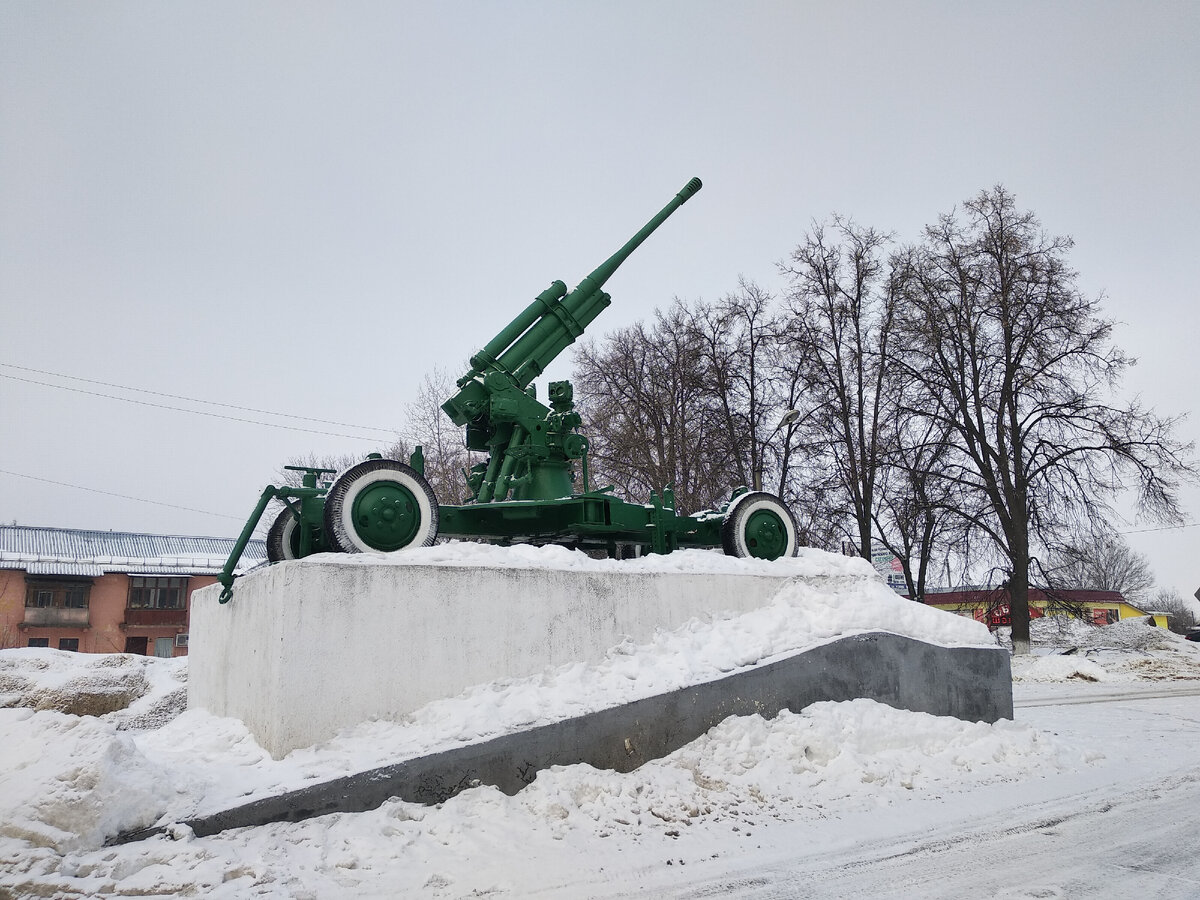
[1127, 827]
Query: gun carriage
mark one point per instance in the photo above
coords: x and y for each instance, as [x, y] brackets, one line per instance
[525, 490]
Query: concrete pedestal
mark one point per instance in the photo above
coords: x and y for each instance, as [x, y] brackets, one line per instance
[310, 647]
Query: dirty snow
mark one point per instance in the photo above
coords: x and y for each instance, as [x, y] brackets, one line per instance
[1122, 653]
[68, 782]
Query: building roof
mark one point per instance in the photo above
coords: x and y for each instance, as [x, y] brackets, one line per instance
[974, 594]
[68, 551]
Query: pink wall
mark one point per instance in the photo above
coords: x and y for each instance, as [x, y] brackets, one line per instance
[106, 614]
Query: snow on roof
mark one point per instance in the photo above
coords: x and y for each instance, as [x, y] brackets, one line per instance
[68, 551]
[63, 568]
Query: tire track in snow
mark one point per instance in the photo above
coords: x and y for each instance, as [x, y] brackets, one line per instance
[1134, 845]
[1132, 693]
[1129, 841]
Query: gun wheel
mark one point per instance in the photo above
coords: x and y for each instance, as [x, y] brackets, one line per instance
[760, 526]
[380, 505]
[283, 540]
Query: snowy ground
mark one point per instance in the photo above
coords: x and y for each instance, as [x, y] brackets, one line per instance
[1094, 790]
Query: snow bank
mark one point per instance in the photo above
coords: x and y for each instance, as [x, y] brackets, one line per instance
[68, 782]
[1124, 652]
[1057, 668]
[126, 689]
[808, 562]
[829, 762]
[794, 766]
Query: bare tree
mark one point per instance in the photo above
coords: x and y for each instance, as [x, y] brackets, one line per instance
[445, 455]
[915, 517]
[1181, 615]
[843, 303]
[1022, 367]
[740, 339]
[441, 441]
[1100, 560]
[650, 414]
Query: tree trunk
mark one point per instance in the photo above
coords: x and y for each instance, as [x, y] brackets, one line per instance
[1018, 602]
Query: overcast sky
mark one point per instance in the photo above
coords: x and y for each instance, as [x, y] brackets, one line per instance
[302, 208]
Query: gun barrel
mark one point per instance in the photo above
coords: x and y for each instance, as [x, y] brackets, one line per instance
[558, 328]
[551, 322]
[541, 304]
[604, 271]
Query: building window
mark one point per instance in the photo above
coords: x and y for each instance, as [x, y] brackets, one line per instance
[136, 645]
[76, 597]
[157, 593]
[44, 594]
[68, 644]
[39, 642]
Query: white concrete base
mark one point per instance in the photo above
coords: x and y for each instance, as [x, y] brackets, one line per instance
[310, 647]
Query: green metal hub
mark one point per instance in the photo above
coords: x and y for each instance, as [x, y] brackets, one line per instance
[766, 536]
[386, 515]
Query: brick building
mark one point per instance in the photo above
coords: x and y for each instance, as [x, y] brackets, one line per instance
[990, 605]
[105, 591]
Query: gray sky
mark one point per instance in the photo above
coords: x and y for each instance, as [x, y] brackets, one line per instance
[304, 207]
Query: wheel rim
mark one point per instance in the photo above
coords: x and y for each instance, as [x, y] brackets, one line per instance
[766, 536]
[386, 515]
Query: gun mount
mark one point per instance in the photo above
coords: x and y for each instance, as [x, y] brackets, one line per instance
[525, 491]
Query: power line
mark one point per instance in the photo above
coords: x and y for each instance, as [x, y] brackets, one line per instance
[125, 387]
[1161, 528]
[80, 487]
[195, 412]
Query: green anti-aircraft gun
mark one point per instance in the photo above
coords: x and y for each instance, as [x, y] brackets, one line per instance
[525, 491]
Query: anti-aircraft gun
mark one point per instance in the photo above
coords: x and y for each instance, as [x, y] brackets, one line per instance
[525, 490]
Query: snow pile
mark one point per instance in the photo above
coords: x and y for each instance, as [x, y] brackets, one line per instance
[795, 766]
[831, 761]
[215, 763]
[800, 617]
[1057, 668]
[1125, 652]
[67, 782]
[803, 760]
[126, 689]
[1130, 634]
[808, 562]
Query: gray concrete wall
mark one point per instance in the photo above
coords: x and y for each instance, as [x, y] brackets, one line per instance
[972, 683]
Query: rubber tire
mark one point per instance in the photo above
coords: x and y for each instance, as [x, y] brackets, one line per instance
[737, 516]
[340, 533]
[280, 537]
